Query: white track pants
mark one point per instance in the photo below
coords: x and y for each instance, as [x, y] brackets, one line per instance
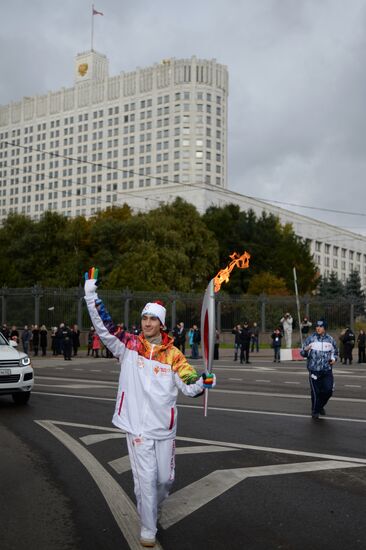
[153, 465]
[288, 338]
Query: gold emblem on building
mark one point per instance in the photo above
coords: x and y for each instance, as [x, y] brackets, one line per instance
[83, 69]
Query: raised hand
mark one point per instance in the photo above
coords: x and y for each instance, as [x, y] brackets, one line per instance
[91, 281]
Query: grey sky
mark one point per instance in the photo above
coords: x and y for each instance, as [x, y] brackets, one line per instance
[297, 124]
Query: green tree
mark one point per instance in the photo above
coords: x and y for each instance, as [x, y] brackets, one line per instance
[16, 244]
[167, 248]
[331, 287]
[108, 235]
[353, 291]
[267, 283]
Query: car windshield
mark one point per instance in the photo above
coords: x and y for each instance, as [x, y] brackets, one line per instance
[3, 342]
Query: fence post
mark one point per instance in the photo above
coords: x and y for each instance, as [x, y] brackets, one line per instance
[37, 293]
[307, 305]
[262, 299]
[352, 314]
[80, 298]
[126, 294]
[173, 298]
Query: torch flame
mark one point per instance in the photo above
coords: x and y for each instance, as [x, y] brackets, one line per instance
[242, 262]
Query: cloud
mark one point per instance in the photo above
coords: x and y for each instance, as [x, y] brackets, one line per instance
[297, 81]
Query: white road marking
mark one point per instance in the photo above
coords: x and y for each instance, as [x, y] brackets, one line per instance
[192, 497]
[99, 438]
[297, 371]
[122, 464]
[263, 368]
[95, 370]
[292, 382]
[220, 443]
[285, 395]
[74, 386]
[81, 380]
[122, 508]
[78, 369]
[267, 381]
[352, 386]
[236, 379]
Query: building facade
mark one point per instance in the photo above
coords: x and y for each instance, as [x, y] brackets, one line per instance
[109, 140]
[141, 138]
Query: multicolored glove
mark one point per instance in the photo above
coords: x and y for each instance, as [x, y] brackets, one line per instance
[91, 282]
[209, 380]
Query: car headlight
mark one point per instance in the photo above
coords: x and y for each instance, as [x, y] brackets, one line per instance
[25, 361]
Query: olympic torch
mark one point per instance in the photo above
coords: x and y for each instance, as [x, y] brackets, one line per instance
[208, 317]
[208, 330]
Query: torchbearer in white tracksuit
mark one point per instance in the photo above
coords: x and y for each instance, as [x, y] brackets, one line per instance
[152, 371]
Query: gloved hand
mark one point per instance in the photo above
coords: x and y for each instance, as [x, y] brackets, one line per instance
[209, 380]
[91, 282]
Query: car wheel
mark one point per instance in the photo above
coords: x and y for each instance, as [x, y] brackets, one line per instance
[21, 398]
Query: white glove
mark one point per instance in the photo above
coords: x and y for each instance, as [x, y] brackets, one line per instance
[207, 381]
[90, 286]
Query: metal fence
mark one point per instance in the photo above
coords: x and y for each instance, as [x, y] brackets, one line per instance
[51, 306]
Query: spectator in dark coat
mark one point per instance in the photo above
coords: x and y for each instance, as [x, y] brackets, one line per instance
[75, 339]
[59, 339]
[196, 340]
[175, 334]
[236, 331]
[361, 343]
[5, 331]
[245, 337]
[43, 339]
[276, 344]
[14, 334]
[66, 334]
[54, 341]
[35, 339]
[305, 326]
[348, 344]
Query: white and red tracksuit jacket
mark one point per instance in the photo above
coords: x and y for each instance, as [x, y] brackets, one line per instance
[149, 379]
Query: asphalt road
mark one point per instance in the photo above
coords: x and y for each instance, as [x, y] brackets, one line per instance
[257, 474]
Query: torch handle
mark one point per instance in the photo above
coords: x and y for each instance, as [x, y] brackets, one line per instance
[205, 403]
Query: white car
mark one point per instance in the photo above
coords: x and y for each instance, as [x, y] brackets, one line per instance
[16, 372]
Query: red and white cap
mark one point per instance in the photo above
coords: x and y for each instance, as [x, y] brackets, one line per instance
[156, 309]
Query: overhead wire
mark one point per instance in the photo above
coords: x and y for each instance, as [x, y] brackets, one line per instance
[200, 186]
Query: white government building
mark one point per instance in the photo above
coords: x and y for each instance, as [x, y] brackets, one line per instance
[141, 138]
